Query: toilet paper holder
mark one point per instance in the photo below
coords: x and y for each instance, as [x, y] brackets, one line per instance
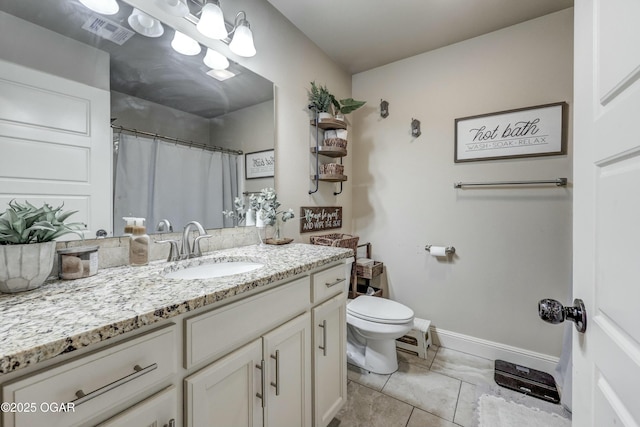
[448, 250]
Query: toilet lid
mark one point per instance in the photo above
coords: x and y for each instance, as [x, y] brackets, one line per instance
[380, 310]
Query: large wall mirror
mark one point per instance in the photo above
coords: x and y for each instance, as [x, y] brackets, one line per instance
[169, 114]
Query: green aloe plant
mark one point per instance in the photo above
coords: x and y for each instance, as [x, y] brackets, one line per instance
[24, 223]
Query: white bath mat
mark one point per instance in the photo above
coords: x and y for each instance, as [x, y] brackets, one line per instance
[494, 411]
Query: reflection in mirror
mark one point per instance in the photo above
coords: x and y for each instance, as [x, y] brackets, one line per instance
[179, 133]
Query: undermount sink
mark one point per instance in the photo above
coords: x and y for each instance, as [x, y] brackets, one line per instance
[215, 269]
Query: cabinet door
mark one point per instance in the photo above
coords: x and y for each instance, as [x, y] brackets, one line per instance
[288, 374]
[227, 392]
[329, 359]
[159, 410]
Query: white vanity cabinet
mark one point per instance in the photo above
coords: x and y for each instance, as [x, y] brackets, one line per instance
[329, 359]
[272, 381]
[273, 358]
[329, 343]
[93, 384]
[265, 383]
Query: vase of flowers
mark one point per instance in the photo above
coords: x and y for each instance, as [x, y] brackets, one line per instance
[266, 206]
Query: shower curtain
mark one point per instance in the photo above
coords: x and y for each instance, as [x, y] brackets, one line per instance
[159, 180]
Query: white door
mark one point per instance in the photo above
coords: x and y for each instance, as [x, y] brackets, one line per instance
[55, 145]
[288, 374]
[607, 212]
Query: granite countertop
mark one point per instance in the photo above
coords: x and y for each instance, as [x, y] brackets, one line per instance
[64, 315]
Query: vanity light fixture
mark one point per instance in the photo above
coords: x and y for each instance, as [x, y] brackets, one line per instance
[103, 7]
[242, 41]
[144, 24]
[211, 23]
[174, 7]
[185, 45]
[215, 60]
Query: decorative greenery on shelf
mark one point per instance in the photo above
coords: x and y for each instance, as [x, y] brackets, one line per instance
[266, 204]
[320, 98]
[24, 223]
[345, 106]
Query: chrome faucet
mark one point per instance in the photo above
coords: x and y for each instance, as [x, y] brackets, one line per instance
[164, 225]
[190, 251]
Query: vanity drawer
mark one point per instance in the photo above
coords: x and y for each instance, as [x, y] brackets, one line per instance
[330, 282]
[216, 333]
[107, 378]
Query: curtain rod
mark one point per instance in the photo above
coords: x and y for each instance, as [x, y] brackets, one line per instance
[560, 182]
[176, 140]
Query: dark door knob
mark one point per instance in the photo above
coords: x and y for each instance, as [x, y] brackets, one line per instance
[553, 312]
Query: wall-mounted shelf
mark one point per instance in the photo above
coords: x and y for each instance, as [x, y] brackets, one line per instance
[329, 177]
[329, 151]
[330, 124]
[333, 151]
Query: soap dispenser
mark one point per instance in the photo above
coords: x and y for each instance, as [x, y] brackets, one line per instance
[138, 243]
[128, 225]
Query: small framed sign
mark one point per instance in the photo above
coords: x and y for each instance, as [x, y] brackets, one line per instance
[259, 164]
[318, 218]
[525, 132]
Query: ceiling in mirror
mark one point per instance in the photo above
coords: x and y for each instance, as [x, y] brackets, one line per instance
[146, 67]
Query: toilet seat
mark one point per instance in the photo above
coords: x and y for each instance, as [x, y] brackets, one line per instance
[379, 310]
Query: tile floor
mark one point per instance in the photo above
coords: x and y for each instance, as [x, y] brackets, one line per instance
[439, 391]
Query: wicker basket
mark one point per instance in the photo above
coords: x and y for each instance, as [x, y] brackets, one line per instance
[335, 142]
[369, 272]
[336, 239]
[332, 169]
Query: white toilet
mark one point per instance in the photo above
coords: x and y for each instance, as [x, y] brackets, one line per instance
[373, 325]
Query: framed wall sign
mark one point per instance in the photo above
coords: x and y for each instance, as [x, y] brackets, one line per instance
[525, 132]
[259, 164]
[317, 218]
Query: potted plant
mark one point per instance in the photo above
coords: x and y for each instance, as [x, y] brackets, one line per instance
[320, 100]
[27, 246]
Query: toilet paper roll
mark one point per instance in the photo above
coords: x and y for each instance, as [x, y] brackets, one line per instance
[438, 250]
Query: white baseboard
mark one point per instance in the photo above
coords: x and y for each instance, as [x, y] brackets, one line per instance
[493, 350]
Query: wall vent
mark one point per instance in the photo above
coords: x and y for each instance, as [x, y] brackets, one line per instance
[107, 29]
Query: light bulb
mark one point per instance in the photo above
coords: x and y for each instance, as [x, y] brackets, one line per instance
[184, 44]
[242, 43]
[215, 60]
[103, 7]
[144, 24]
[211, 23]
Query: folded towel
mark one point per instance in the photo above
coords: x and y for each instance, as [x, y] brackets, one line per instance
[365, 262]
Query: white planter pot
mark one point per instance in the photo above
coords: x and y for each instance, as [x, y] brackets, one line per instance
[324, 116]
[25, 267]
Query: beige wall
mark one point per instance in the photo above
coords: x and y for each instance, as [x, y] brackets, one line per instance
[513, 245]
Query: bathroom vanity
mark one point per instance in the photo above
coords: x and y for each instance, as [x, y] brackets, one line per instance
[131, 347]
